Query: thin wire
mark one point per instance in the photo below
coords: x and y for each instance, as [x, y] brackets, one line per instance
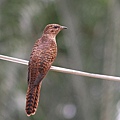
[63, 70]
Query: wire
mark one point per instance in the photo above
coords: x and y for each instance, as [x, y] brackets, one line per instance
[63, 70]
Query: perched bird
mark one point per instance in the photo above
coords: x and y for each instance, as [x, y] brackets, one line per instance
[43, 55]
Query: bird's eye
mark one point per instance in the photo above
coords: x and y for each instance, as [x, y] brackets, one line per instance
[56, 27]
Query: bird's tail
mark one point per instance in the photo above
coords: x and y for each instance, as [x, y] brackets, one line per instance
[32, 99]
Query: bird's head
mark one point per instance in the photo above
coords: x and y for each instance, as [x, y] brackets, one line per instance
[53, 29]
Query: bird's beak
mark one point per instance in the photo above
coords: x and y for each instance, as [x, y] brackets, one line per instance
[63, 27]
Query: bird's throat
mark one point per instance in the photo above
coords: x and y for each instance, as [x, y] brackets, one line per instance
[50, 36]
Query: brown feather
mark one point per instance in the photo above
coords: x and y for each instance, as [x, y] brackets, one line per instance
[43, 55]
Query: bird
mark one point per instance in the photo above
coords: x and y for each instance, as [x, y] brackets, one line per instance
[42, 56]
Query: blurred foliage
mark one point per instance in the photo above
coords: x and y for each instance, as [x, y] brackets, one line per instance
[91, 44]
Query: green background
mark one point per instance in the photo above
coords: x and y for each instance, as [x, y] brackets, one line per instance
[91, 43]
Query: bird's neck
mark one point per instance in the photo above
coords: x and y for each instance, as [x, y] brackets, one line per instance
[49, 36]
